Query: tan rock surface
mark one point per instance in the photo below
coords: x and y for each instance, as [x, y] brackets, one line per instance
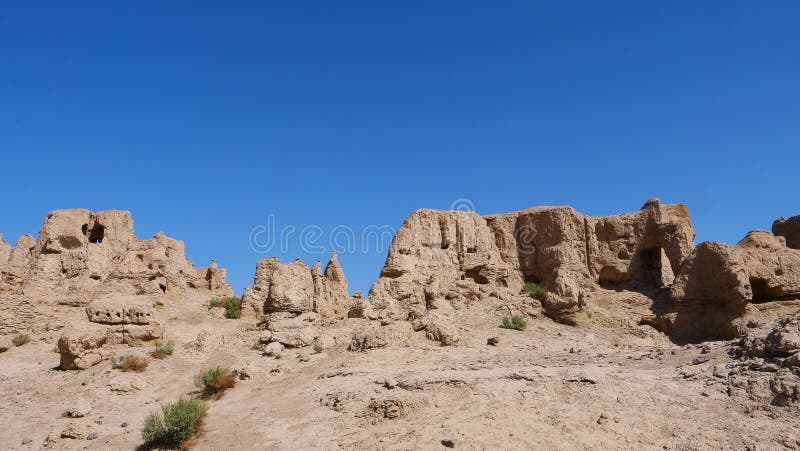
[789, 229]
[422, 363]
[461, 255]
[81, 254]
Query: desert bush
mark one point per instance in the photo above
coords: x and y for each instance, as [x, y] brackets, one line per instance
[163, 349]
[214, 381]
[126, 363]
[176, 423]
[317, 348]
[536, 291]
[514, 322]
[20, 339]
[233, 308]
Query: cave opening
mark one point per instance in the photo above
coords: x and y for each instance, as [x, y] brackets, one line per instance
[762, 292]
[655, 268]
[97, 234]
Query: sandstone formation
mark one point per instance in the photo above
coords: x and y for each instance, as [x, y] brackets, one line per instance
[295, 299]
[80, 255]
[718, 282]
[427, 347]
[113, 320]
[789, 229]
[759, 268]
[457, 255]
[294, 288]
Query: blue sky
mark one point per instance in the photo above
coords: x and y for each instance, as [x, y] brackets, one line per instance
[205, 118]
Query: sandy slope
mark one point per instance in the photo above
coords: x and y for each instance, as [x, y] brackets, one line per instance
[548, 387]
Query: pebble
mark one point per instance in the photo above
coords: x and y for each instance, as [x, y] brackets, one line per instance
[701, 359]
[92, 436]
[124, 424]
[448, 443]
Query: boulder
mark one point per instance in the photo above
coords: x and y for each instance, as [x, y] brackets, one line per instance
[81, 351]
[293, 331]
[439, 328]
[79, 409]
[273, 349]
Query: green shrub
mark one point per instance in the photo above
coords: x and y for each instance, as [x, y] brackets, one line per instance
[215, 303]
[514, 322]
[163, 349]
[536, 291]
[177, 422]
[215, 380]
[317, 348]
[589, 313]
[20, 339]
[233, 308]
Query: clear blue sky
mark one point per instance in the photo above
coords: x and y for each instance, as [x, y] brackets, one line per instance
[204, 118]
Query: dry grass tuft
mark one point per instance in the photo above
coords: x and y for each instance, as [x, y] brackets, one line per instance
[163, 349]
[20, 339]
[215, 380]
[126, 363]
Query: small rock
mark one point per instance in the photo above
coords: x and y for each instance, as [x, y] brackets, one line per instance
[74, 431]
[92, 436]
[244, 374]
[27, 441]
[79, 409]
[493, 341]
[124, 424]
[273, 349]
[720, 371]
[701, 359]
[603, 419]
[390, 383]
[100, 422]
[449, 443]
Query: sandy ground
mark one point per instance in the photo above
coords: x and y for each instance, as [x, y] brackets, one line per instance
[551, 386]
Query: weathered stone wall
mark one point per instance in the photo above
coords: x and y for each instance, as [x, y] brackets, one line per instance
[454, 254]
[80, 255]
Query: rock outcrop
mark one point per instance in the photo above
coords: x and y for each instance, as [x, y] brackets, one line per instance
[113, 320]
[81, 255]
[718, 283]
[295, 288]
[295, 299]
[759, 268]
[457, 255]
[789, 229]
